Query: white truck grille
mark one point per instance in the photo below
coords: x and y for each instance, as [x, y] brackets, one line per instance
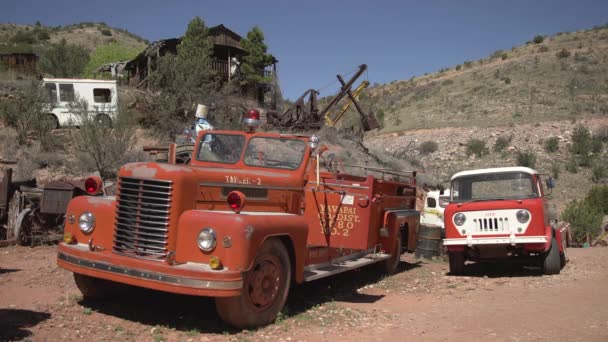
[491, 222]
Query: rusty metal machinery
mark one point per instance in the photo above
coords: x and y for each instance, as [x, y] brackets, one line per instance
[308, 116]
[31, 215]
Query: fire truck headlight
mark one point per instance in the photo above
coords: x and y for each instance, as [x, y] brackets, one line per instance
[459, 219]
[206, 239]
[523, 216]
[86, 222]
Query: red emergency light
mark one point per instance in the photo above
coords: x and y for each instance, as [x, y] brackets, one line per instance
[92, 185]
[252, 119]
[236, 201]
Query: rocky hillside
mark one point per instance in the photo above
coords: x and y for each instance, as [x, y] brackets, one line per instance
[517, 99]
[564, 76]
[87, 35]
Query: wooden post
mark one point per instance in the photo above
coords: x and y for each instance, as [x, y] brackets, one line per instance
[229, 66]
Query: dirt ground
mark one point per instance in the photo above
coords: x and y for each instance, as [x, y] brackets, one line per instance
[39, 302]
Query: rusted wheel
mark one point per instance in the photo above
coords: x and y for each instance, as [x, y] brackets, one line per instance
[264, 292]
[391, 264]
[96, 288]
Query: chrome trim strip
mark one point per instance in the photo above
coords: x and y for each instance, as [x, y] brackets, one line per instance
[154, 276]
[342, 185]
[251, 186]
[495, 241]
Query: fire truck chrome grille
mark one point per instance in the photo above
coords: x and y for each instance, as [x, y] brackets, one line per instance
[142, 218]
[497, 225]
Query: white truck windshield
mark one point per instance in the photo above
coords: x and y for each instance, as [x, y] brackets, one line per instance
[493, 186]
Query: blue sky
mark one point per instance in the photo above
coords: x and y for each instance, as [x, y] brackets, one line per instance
[315, 40]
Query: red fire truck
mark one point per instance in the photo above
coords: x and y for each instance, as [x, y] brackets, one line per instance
[251, 213]
[501, 213]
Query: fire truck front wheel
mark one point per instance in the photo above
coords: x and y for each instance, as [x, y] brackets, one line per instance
[95, 288]
[456, 263]
[391, 264]
[551, 260]
[265, 289]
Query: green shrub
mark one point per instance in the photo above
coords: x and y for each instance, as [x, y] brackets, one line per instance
[582, 144]
[64, 60]
[458, 67]
[476, 147]
[106, 32]
[543, 48]
[504, 56]
[44, 35]
[555, 170]
[468, 64]
[507, 80]
[598, 196]
[527, 159]
[551, 144]
[501, 143]
[585, 220]
[563, 53]
[599, 172]
[428, 147]
[596, 144]
[538, 39]
[23, 37]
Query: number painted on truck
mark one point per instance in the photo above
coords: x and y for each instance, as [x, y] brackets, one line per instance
[338, 220]
[243, 180]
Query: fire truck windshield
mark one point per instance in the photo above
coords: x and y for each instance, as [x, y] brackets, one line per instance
[493, 186]
[281, 153]
[221, 148]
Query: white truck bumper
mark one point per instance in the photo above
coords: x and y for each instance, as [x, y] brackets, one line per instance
[507, 240]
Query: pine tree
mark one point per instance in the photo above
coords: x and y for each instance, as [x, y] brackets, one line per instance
[194, 52]
[257, 57]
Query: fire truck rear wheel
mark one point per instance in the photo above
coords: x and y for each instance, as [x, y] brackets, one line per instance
[265, 289]
[391, 264]
[95, 288]
[456, 263]
[551, 260]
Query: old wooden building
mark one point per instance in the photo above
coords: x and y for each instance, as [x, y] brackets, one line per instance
[226, 59]
[20, 62]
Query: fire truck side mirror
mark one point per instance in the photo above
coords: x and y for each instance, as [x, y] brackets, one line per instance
[550, 183]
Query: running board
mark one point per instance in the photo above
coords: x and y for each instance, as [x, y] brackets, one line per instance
[313, 273]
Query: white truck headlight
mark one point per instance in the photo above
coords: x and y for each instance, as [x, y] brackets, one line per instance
[523, 216]
[86, 222]
[206, 239]
[459, 219]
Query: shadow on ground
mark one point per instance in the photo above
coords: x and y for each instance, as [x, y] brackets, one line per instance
[8, 270]
[501, 270]
[186, 313]
[14, 323]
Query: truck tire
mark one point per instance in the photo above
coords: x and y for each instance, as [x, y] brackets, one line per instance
[563, 256]
[52, 121]
[551, 260]
[391, 264]
[96, 288]
[103, 119]
[456, 263]
[264, 292]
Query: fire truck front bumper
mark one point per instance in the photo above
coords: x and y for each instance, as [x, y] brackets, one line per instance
[506, 240]
[189, 278]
